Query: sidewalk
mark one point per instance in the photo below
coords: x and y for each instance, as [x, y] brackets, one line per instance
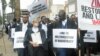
[7, 48]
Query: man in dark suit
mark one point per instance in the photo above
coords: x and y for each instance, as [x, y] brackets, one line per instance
[23, 27]
[75, 20]
[64, 23]
[99, 41]
[45, 25]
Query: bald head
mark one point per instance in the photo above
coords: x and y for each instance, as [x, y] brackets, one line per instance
[62, 15]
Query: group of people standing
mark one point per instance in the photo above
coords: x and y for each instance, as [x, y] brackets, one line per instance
[44, 27]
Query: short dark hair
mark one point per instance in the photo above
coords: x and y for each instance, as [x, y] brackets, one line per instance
[14, 20]
[42, 17]
[63, 11]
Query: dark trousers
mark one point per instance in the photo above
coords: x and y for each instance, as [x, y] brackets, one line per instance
[37, 51]
[66, 52]
[61, 52]
[20, 51]
[50, 52]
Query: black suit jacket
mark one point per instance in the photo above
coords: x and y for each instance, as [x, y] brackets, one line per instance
[69, 25]
[28, 38]
[18, 26]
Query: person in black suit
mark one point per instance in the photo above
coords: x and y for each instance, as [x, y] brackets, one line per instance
[64, 23]
[23, 27]
[44, 24]
[75, 20]
[35, 49]
[99, 41]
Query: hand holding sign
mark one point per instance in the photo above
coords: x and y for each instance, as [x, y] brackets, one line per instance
[36, 38]
[34, 44]
[19, 39]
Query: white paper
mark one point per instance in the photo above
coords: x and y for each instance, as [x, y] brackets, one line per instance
[90, 36]
[19, 39]
[43, 8]
[91, 18]
[65, 38]
[36, 38]
[12, 32]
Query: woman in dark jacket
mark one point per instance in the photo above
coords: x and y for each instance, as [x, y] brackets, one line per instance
[35, 49]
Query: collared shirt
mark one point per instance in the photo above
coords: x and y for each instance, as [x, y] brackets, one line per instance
[44, 27]
[64, 22]
[24, 27]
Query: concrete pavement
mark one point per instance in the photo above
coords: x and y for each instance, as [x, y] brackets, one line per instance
[6, 47]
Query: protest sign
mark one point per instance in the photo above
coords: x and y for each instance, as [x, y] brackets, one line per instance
[12, 32]
[88, 14]
[19, 39]
[36, 8]
[90, 36]
[65, 38]
[36, 38]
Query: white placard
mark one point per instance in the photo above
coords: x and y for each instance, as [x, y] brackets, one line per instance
[36, 8]
[19, 39]
[12, 32]
[36, 38]
[88, 14]
[60, 2]
[65, 38]
[90, 36]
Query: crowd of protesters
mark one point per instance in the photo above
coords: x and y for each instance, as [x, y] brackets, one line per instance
[45, 26]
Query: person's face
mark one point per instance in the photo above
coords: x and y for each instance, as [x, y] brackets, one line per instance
[73, 17]
[43, 20]
[25, 18]
[57, 18]
[18, 20]
[62, 15]
[35, 23]
[47, 20]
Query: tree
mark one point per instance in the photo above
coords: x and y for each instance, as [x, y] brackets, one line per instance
[12, 4]
[1, 20]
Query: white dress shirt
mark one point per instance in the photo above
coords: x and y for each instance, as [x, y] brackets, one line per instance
[64, 22]
[45, 28]
[24, 27]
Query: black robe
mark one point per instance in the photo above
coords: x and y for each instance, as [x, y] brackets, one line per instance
[37, 51]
